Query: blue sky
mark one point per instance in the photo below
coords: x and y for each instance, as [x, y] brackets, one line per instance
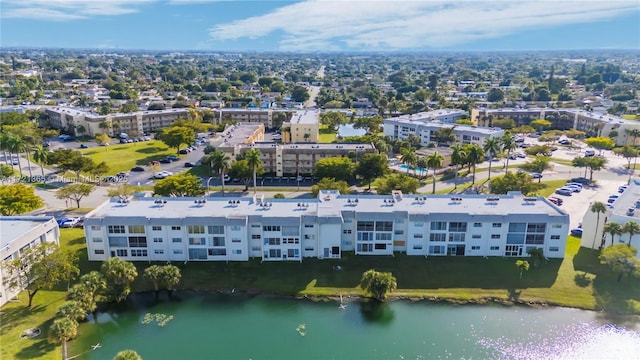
[321, 25]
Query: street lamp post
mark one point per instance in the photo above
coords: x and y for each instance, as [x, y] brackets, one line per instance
[208, 181]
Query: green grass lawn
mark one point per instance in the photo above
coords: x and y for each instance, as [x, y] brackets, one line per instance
[326, 138]
[122, 157]
[630, 117]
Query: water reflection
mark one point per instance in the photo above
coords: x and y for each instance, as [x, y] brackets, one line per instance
[374, 311]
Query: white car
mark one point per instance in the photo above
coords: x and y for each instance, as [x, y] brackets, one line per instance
[226, 178]
[162, 174]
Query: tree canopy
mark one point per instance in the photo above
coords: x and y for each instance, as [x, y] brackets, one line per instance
[622, 260]
[518, 181]
[370, 167]
[396, 181]
[75, 192]
[180, 185]
[176, 136]
[378, 284]
[18, 199]
[339, 168]
[119, 275]
[330, 184]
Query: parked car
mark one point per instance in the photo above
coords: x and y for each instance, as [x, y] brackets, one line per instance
[611, 200]
[554, 201]
[185, 151]
[67, 222]
[137, 168]
[162, 174]
[536, 175]
[581, 180]
[564, 192]
[630, 211]
[577, 232]
[165, 161]
[573, 188]
[79, 223]
[84, 146]
[622, 188]
[226, 178]
[564, 142]
[521, 155]
[122, 174]
[559, 200]
[589, 153]
[173, 157]
[573, 184]
[189, 164]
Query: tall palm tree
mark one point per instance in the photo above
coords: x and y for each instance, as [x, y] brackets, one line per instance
[4, 146]
[613, 229]
[632, 228]
[434, 161]
[16, 145]
[253, 160]
[40, 154]
[491, 147]
[63, 330]
[475, 154]
[220, 163]
[408, 157]
[421, 162]
[458, 158]
[508, 145]
[599, 208]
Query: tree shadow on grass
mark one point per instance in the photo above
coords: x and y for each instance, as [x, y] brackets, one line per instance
[150, 150]
[11, 316]
[582, 280]
[40, 346]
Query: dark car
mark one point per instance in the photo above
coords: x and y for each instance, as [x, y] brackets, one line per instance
[137, 168]
[165, 161]
[189, 164]
[581, 180]
[577, 232]
[172, 157]
[84, 146]
[184, 151]
[536, 175]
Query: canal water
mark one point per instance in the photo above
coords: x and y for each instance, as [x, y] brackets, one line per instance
[218, 326]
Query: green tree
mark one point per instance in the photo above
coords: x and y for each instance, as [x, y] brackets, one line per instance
[87, 290]
[622, 260]
[153, 273]
[220, 163]
[127, 355]
[408, 157]
[370, 123]
[240, 170]
[508, 145]
[73, 310]
[122, 191]
[632, 228]
[328, 183]
[102, 139]
[339, 168]
[595, 163]
[299, 94]
[18, 199]
[39, 267]
[332, 119]
[495, 95]
[536, 150]
[491, 147]
[628, 152]
[253, 156]
[434, 161]
[458, 158]
[15, 145]
[63, 330]
[475, 155]
[522, 265]
[540, 124]
[40, 155]
[539, 164]
[601, 143]
[378, 284]
[537, 256]
[397, 181]
[518, 181]
[504, 123]
[612, 228]
[75, 192]
[445, 136]
[175, 136]
[181, 185]
[370, 167]
[119, 275]
[170, 277]
[598, 208]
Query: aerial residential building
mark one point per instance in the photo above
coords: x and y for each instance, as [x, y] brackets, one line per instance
[224, 229]
[400, 128]
[598, 124]
[17, 234]
[303, 127]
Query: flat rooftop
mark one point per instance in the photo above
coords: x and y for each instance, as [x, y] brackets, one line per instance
[602, 117]
[13, 227]
[306, 117]
[628, 200]
[426, 116]
[237, 134]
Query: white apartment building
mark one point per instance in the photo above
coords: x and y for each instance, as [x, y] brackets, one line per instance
[224, 229]
[18, 233]
[400, 128]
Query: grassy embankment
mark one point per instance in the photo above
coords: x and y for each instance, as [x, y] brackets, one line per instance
[122, 157]
[578, 280]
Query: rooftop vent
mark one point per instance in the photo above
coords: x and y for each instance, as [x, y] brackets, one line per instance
[458, 199]
[530, 199]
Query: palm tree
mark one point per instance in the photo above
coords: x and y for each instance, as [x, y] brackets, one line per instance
[63, 330]
[253, 160]
[598, 208]
[127, 355]
[491, 147]
[421, 162]
[613, 229]
[632, 228]
[220, 163]
[16, 145]
[40, 154]
[508, 145]
[170, 277]
[4, 145]
[434, 161]
[458, 158]
[408, 157]
[475, 154]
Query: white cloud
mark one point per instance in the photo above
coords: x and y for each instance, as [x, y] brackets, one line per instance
[329, 25]
[68, 9]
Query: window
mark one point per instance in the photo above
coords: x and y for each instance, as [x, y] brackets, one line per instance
[96, 239]
[309, 236]
[156, 228]
[418, 224]
[271, 228]
[290, 240]
[138, 252]
[275, 253]
[457, 227]
[219, 229]
[384, 226]
[496, 225]
[197, 241]
[195, 229]
[217, 252]
[437, 237]
[255, 248]
[477, 225]
[365, 247]
[308, 226]
[365, 236]
[308, 248]
[494, 248]
[495, 236]
[535, 239]
[272, 241]
[177, 251]
[237, 252]
[417, 247]
[417, 236]
[98, 252]
[554, 248]
[116, 229]
[176, 240]
[121, 252]
[536, 227]
[137, 241]
[457, 237]
[95, 227]
[513, 250]
[158, 251]
[256, 236]
[398, 232]
[438, 225]
[290, 231]
[517, 227]
[381, 246]
[556, 226]
[383, 236]
[177, 228]
[236, 240]
[136, 229]
[346, 231]
[555, 237]
[117, 241]
[475, 248]
[157, 240]
[365, 226]
[436, 249]
[475, 236]
[217, 241]
[255, 225]
[235, 228]
[400, 221]
[293, 253]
